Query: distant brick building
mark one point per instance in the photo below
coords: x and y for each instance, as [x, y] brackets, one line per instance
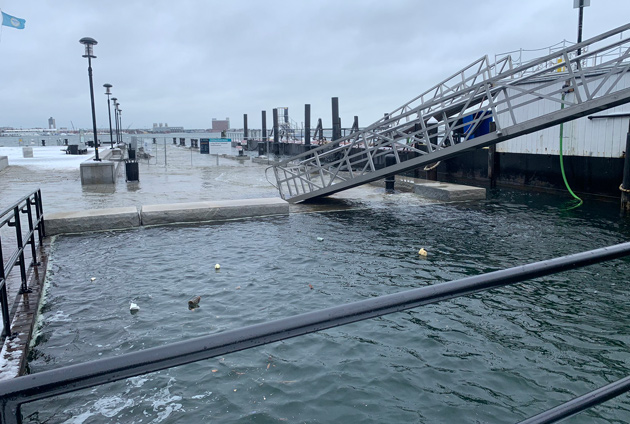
[219, 125]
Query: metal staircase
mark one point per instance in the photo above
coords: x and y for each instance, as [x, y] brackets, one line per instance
[447, 119]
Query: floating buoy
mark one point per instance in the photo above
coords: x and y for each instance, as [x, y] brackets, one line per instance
[194, 302]
[422, 252]
[320, 238]
[134, 308]
[217, 267]
[93, 278]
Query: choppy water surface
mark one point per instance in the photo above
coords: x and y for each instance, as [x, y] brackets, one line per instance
[495, 357]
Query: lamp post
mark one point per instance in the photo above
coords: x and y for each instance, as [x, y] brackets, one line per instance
[120, 123]
[108, 92]
[114, 99]
[89, 43]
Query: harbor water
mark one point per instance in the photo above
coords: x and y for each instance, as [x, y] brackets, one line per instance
[494, 357]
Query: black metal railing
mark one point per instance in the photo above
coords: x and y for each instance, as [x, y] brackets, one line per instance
[21, 390]
[31, 207]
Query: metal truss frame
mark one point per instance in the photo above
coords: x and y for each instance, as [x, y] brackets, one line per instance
[441, 122]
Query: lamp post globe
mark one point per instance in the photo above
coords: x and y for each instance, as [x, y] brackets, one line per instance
[108, 92]
[89, 44]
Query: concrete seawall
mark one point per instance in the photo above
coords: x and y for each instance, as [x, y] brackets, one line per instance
[131, 217]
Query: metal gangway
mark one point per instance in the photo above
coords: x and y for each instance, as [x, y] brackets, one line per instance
[445, 120]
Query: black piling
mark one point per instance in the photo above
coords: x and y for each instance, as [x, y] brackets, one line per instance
[276, 137]
[174, 140]
[245, 127]
[307, 125]
[390, 180]
[625, 185]
[336, 120]
[264, 125]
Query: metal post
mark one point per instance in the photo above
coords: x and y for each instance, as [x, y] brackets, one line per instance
[276, 139]
[31, 239]
[245, 127]
[307, 125]
[4, 301]
[580, 20]
[390, 180]
[492, 173]
[120, 124]
[109, 112]
[96, 158]
[18, 235]
[336, 120]
[625, 185]
[264, 125]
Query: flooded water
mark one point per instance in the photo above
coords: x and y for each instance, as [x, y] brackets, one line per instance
[495, 357]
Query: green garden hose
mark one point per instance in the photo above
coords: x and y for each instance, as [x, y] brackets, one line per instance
[564, 177]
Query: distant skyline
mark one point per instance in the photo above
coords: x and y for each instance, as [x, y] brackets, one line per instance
[187, 62]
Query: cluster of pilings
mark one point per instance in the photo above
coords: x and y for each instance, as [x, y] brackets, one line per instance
[307, 137]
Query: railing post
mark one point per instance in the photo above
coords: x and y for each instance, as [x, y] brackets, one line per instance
[18, 234]
[4, 301]
[42, 226]
[10, 413]
[31, 239]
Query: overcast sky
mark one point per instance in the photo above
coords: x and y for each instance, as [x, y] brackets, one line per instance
[187, 62]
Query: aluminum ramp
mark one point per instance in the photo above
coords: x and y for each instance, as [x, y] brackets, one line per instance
[441, 122]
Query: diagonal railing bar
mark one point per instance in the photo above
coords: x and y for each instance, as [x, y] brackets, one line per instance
[581, 403]
[46, 384]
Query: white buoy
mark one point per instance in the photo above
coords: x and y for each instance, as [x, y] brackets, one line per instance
[133, 307]
[217, 267]
[93, 278]
[320, 238]
[423, 252]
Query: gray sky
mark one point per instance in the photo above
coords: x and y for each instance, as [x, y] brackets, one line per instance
[187, 62]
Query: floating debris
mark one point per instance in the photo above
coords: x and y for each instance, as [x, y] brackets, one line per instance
[310, 286]
[423, 252]
[320, 238]
[194, 302]
[93, 278]
[133, 308]
[217, 267]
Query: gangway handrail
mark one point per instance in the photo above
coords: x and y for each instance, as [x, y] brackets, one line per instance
[35, 221]
[443, 121]
[25, 389]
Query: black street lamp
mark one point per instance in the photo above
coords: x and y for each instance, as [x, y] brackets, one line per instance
[114, 99]
[89, 42]
[108, 91]
[120, 122]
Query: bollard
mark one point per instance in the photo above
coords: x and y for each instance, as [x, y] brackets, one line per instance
[390, 180]
[261, 148]
[174, 140]
[44, 143]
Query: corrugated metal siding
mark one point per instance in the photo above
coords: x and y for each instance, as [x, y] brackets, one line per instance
[581, 137]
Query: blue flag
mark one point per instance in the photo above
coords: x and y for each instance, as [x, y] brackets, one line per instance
[12, 21]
